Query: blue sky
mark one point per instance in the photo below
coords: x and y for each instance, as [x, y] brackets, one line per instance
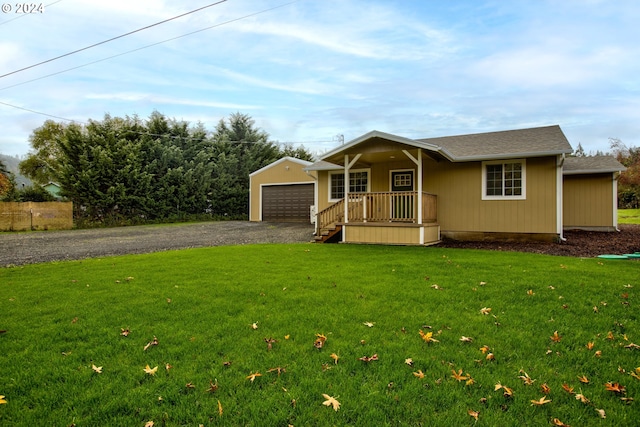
[309, 70]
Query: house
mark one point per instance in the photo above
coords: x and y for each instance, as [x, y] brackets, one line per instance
[497, 185]
[53, 188]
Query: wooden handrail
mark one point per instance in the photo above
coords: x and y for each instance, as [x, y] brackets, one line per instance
[390, 206]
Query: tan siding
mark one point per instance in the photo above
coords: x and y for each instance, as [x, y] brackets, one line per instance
[461, 208]
[389, 234]
[588, 201]
[277, 174]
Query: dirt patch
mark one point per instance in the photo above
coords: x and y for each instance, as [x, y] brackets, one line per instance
[45, 246]
[584, 244]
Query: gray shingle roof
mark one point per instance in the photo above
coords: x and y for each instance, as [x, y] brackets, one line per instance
[591, 164]
[540, 141]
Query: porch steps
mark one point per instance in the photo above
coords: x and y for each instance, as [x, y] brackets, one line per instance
[327, 233]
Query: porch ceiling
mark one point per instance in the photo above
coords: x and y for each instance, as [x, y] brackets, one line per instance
[378, 150]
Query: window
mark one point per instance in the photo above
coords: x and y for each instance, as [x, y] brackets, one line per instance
[503, 180]
[403, 180]
[358, 183]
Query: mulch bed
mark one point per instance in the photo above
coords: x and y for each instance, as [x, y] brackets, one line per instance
[584, 244]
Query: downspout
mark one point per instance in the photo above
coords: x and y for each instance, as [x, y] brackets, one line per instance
[315, 200]
[560, 199]
[616, 175]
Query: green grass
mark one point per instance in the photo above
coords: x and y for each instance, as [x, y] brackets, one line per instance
[61, 318]
[629, 216]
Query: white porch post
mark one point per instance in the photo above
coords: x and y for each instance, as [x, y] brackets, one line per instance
[346, 188]
[418, 162]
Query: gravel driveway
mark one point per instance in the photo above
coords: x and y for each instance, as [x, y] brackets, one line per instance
[43, 246]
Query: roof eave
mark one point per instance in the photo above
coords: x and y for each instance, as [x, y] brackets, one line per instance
[383, 135]
[504, 156]
[281, 160]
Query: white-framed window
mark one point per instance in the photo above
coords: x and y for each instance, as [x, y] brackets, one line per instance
[358, 183]
[504, 179]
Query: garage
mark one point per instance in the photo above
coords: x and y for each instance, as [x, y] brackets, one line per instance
[281, 192]
[287, 203]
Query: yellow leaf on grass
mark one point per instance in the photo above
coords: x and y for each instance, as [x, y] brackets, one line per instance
[335, 358]
[615, 387]
[408, 361]
[590, 345]
[582, 398]
[543, 400]
[96, 369]
[526, 378]
[555, 337]
[545, 388]
[427, 337]
[419, 374]
[485, 310]
[567, 388]
[150, 371]
[557, 422]
[149, 424]
[320, 340]
[473, 413]
[219, 408]
[601, 413]
[583, 379]
[253, 376]
[369, 324]
[458, 375]
[2, 400]
[331, 401]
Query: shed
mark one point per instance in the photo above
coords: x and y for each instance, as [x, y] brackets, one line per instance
[282, 192]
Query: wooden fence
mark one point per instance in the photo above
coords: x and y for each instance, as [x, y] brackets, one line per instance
[23, 216]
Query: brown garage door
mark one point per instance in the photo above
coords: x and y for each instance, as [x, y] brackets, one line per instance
[287, 203]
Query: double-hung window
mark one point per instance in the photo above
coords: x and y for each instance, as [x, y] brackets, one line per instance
[504, 180]
[358, 183]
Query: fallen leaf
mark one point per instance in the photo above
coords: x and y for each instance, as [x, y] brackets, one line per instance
[601, 413]
[408, 361]
[545, 388]
[150, 371]
[490, 356]
[254, 325]
[485, 310]
[369, 324]
[583, 379]
[543, 400]
[458, 375]
[632, 346]
[270, 341]
[557, 422]
[610, 336]
[96, 369]
[567, 388]
[427, 337]
[484, 349]
[473, 414]
[335, 358]
[555, 337]
[168, 366]
[149, 344]
[331, 401]
[124, 332]
[278, 369]
[368, 359]
[526, 378]
[598, 353]
[530, 292]
[252, 376]
[2, 400]
[466, 339]
[286, 337]
[590, 345]
[219, 408]
[419, 374]
[581, 397]
[149, 424]
[213, 387]
[615, 387]
[320, 340]
[189, 385]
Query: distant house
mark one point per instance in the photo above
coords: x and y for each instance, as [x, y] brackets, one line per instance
[53, 189]
[515, 184]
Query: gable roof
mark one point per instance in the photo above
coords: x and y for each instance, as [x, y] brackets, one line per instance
[303, 163]
[591, 164]
[531, 142]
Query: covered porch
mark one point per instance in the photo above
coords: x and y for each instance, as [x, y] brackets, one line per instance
[392, 217]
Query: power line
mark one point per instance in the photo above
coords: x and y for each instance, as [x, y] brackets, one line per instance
[113, 38]
[152, 45]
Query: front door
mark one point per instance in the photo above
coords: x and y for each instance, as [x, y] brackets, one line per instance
[402, 204]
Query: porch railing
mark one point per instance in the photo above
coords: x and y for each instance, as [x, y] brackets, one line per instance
[392, 206]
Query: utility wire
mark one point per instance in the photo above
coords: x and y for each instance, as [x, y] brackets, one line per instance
[112, 39]
[27, 14]
[153, 44]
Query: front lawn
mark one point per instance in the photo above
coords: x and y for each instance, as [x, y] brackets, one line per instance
[629, 216]
[449, 335]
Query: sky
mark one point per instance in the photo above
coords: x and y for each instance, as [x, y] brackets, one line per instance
[311, 72]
